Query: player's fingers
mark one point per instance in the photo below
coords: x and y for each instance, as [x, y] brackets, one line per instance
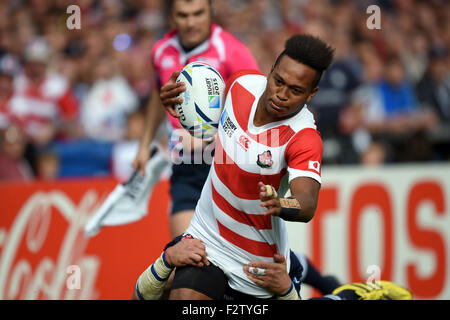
[199, 253]
[279, 258]
[271, 211]
[205, 261]
[170, 109]
[199, 260]
[197, 243]
[195, 264]
[260, 281]
[172, 90]
[269, 203]
[174, 76]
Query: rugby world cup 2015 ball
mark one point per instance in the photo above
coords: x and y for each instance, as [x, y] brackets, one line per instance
[202, 101]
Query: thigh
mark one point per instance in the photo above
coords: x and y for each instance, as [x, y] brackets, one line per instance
[199, 283]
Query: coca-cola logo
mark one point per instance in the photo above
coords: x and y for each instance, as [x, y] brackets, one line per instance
[51, 277]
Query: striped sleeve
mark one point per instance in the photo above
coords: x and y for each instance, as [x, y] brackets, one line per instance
[304, 155]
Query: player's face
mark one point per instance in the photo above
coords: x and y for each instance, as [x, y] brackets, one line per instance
[193, 21]
[289, 87]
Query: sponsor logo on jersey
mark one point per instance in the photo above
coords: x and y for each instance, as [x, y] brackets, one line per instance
[244, 142]
[228, 126]
[265, 159]
[314, 165]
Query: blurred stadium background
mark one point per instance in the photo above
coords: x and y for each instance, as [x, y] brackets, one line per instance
[383, 110]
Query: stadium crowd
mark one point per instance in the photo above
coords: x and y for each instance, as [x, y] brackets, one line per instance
[72, 101]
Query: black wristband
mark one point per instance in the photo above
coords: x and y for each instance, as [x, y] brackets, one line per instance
[289, 214]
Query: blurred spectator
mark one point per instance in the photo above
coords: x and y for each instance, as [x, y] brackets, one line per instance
[336, 88]
[104, 110]
[433, 92]
[43, 101]
[393, 114]
[8, 67]
[13, 165]
[48, 165]
[125, 151]
[374, 155]
[355, 105]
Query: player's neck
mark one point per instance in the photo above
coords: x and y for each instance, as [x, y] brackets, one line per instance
[262, 116]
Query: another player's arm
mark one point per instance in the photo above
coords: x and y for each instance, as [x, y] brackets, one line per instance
[299, 207]
[150, 284]
[166, 97]
[153, 118]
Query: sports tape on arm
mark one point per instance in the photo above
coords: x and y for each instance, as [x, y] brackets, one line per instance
[290, 208]
[291, 294]
[150, 285]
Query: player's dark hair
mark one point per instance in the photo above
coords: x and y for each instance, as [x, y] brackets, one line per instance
[310, 51]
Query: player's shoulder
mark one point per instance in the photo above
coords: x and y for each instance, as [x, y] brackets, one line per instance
[307, 138]
[168, 40]
[168, 36]
[245, 78]
[305, 129]
[303, 120]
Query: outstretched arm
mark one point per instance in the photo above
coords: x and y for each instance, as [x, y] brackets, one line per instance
[300, 207]
[153, 118]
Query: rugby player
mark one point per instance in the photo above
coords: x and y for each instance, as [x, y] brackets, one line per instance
[195, 38]
[237, 218]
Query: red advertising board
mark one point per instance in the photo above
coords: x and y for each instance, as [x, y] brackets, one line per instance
[43, 248]
[392, 223]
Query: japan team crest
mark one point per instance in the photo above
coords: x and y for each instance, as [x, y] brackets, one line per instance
[265, 159]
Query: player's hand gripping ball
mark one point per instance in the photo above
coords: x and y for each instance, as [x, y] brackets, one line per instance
[202, 101]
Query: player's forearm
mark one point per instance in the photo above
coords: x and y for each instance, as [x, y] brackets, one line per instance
[153, 118]
[150, 285]
[300, 208]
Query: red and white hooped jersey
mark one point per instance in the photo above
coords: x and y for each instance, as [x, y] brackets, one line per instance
[228, 218]
[221, 50]
[52, 100]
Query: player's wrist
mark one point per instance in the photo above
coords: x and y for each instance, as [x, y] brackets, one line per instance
[290, 209]
[290, 294]
[167, 258]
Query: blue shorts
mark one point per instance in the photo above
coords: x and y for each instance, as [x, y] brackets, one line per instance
[186, 184]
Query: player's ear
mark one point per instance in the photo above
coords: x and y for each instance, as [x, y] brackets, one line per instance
[312, 94]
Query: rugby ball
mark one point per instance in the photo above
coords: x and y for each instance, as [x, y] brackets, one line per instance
[202, 101]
